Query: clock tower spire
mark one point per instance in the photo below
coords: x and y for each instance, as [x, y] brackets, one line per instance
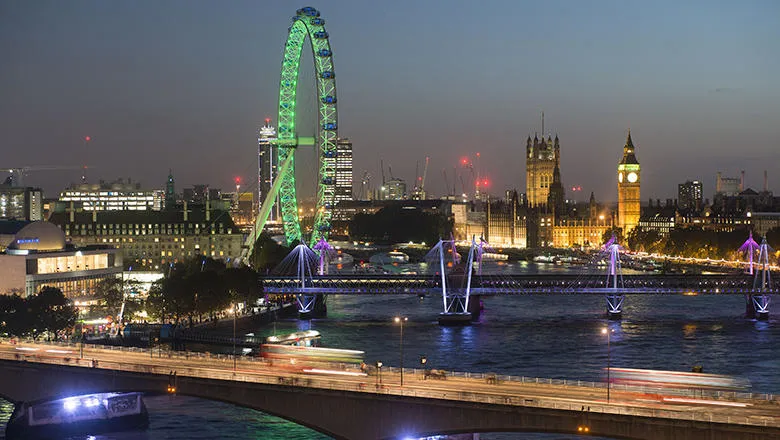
[628, 188]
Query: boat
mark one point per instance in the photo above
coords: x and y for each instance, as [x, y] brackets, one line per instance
[83, 415]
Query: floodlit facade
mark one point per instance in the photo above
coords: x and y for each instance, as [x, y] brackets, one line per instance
[147, 240]
[628, 184]
[114, 196]
[21, 203]
[39, 256]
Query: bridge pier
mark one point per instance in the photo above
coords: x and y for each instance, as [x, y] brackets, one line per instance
[315, 307]
[475, 306]
[757, 306]
[615, 306]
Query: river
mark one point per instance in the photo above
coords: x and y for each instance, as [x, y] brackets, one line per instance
[556, 336]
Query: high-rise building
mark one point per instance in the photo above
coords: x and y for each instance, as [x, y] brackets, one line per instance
[343, 170]
[170, 192]
[266, 167]
[539, 169]
[394, 189]
[628, 188]
[21, 203]
[111, 196]
[689, 195]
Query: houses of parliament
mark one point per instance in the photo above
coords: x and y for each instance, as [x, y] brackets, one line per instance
[554, 221]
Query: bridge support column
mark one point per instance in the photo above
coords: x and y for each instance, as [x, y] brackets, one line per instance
[312, 306]
[757, 307]
[615, 306]
[475, 306]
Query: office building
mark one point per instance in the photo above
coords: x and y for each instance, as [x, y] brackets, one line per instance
[689, 196]
[343, 168]
[266, 168]
[111, 196]
[21, 203]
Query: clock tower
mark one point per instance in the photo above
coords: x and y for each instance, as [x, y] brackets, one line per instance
[628, 188]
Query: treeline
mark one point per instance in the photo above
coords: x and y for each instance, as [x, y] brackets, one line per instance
[198, 288]
[45, 314]
[696, 242]
[393, 224]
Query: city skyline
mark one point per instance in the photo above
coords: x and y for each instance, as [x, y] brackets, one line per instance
[186, 86]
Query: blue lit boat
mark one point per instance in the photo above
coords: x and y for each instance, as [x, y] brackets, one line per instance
[87, 414]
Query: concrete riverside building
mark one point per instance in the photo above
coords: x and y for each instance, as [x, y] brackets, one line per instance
[39, 256]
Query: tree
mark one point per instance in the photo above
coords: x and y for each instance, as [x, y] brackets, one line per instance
[110, 292]
[14, 315]
[617, 232]
[52, 312]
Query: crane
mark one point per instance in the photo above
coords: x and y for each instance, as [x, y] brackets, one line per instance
[425, 174]
[17, 173]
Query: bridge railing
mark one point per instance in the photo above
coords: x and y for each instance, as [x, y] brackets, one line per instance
[156, 364]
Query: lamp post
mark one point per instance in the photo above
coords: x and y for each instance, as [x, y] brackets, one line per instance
[423, 361]
[609, 358]
[234, 337]
[401, 320]
[379, 373]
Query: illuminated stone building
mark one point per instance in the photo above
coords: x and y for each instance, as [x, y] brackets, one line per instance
[628, 184]
[148, 240]
[539, 169]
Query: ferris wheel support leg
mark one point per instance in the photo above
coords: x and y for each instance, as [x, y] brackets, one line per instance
[615, 306]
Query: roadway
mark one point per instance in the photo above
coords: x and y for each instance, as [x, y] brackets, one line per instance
[467, 387]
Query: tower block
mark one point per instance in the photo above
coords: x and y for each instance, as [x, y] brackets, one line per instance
[628, 188]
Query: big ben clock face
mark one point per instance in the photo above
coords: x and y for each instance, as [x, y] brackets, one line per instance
[632, 177]
[620, 177]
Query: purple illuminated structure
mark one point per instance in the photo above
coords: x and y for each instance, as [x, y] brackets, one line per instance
[301, 261]
[749, 247]
[325, 250]
[455, 300]
[761, 285]
[482, 247]
[614, 280]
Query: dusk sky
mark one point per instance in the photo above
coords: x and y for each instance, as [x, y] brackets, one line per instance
[185, 85]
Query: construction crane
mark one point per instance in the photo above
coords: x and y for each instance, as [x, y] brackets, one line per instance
[18, 173]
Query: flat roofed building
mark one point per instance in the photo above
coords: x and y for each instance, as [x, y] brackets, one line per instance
[114, 196]
[39, 256]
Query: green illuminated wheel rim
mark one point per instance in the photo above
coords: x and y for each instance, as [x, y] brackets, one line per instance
[307, 22]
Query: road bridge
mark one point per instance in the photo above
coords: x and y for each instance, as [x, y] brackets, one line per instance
[346, 404]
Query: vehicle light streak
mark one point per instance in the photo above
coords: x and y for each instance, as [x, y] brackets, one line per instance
[337, 372]
[58, 351]
[704, 402]
[26, 349]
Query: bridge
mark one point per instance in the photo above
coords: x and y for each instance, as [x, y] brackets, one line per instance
[379, 406]
[309, 283]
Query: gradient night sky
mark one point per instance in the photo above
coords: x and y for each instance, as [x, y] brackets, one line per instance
[184, 84]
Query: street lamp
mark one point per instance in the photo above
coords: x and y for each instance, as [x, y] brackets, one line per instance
[423, 361]
[401, 320]
[607, 332]
[234, 337]
[379, 372]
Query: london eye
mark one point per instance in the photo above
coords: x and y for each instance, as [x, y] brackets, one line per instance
[306, 23]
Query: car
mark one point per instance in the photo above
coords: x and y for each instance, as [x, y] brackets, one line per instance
[320, 35]
[329, 126]
[317, 21]
[324, 52]
[328, 99]
[328, 74]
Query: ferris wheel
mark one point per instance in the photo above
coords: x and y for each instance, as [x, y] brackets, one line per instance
[306, 23]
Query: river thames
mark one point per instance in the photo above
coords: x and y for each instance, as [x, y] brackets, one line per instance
[553, 336]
